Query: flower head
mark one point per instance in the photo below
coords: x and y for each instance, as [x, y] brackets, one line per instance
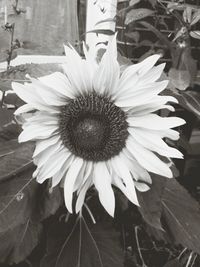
[96, 126]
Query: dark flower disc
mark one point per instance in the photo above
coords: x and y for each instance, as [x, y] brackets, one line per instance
[92, 127]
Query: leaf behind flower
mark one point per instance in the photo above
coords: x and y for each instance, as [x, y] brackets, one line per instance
[82, 246]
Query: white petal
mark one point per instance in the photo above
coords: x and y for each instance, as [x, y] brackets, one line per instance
[44, 118]
[44, 144]
[154, 143]
[62, 172]
[88, 170]
[70, 180]
[142, 187]
[102, 182]
[49, 96]
[123, 172]
[148, 159]
[59, 83]
[35, 132]
[155, 104]
[130, 194]
[43, 156]
[107, 74]
[53, 165]
[169, 133]
[23, 109]
[153, 74]
[155, 122]
[141, 96]
[139, 173]
[133, 73]
[28, 94]
[78, 71]
[82, 193]
[79, 181]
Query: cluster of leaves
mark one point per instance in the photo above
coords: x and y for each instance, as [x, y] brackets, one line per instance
[171, 28]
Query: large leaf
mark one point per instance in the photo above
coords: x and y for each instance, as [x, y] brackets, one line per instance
[17, 243]
[137, 14]
[16, 199]
[83, 246]
[47, 202]
[17, 160]
[182, 215]
[8, 132]
[150, 202]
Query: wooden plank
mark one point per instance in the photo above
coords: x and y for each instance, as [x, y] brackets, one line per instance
[44, 26]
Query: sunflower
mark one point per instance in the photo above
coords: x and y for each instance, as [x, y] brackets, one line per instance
[95, 126]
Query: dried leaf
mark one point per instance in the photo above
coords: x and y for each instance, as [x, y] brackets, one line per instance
[133, 2]
[195, 34]
[195, 17]
[137, 14]
[180, 79]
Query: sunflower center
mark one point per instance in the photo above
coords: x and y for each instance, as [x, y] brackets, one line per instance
[89, 133]
[93, 128]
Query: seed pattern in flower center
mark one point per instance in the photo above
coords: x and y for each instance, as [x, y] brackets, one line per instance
[92, 127]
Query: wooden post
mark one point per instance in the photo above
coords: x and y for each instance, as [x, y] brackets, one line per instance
[100, 23]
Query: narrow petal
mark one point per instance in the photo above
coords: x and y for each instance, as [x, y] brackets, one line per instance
[82, 193]
[107, 74]
[133, 73]
[44, 144]
[139, 173]
[70, 180]
[155, 122]
[27, 93]
[59, 83]
[153, 74]
[132, 196]
[23, 109]
[123, 172]
[158, 102]
[35, 132]
[142, 187]
[154, 143]
[148, 159]
[44, 156]
[102, 182]
[47, 94]
[56, 179]
[78, 71]
[139, 97]
[53, 165]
